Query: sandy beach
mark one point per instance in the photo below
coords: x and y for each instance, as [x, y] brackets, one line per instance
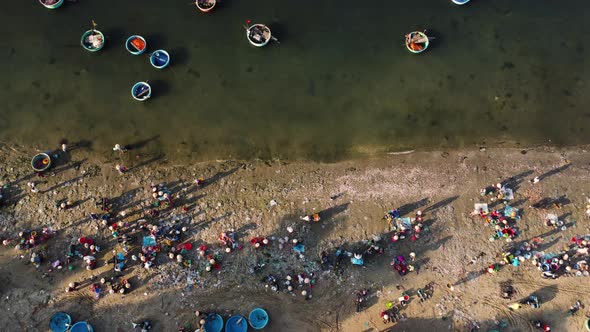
[264, 199]
[332, 178]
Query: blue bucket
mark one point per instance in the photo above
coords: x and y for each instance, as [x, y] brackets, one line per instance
[258, 318]
[236, 324]
[149, 241]
[213, 323]
[60, 322]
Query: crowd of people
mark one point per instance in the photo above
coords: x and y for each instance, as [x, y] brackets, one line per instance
[157, 230]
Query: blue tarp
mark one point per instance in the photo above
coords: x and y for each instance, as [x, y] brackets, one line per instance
[149, 241]
[300, 248]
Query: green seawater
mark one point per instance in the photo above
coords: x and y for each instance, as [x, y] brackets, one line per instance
[340, 84]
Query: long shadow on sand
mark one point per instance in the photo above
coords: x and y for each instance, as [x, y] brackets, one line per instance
[140, 144]
[219, 176]
[554, 171]
[147, 162]
[515, 181]
[228, 299]
[440, 204]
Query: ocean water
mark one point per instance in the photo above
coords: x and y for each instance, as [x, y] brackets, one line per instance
[340, 84]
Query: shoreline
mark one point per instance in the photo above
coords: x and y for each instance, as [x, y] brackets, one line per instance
[352, 196]
[357, 153]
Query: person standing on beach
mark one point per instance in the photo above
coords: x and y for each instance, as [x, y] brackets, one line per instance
[202, 317]
[72, 286]
[64, 205]
[121, 149]
[34, 189]
[314, 217]
[64, 145]
[121, 169]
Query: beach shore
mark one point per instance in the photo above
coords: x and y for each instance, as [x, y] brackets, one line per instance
[263, 198]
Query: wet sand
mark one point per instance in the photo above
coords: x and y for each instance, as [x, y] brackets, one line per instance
[340, 84]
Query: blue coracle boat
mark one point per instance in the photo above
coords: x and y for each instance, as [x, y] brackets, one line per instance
[141, 91]
[258, 318]
[60, 322]
[51, 4]
[236, 324]
[81, 327]
[160, 59]
[136, 45]
[213, 323]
